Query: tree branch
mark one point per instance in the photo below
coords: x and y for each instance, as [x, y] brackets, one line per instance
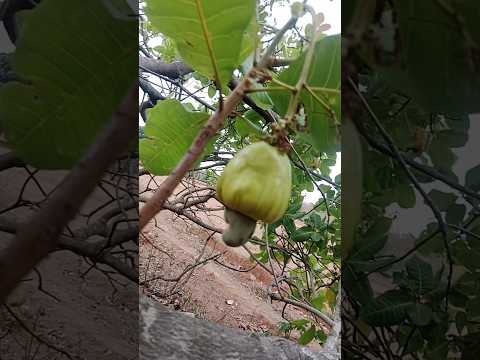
[304, 306]
[173, 71]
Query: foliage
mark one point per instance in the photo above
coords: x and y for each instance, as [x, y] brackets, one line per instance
[70, 67]
[162, 148]
[305, 244]
[307, 329]
[45, 108]
[418, 76]
[208, 37]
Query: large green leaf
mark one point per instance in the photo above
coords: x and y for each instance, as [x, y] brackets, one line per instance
[76, 62]
[324, 73]
[439, 67]
[388, 309]
[359, 288]
[472, 178]
[218, 51]
[372, 241]
[405, 195]
[442, 199]
[421, 275]
[169, 133]
[420, 314]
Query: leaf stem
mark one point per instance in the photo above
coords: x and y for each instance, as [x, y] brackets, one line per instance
[322, 102]
[285, 85]
[273, 88]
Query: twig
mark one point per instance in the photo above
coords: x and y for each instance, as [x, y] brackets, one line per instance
[28, 330]
[304, 306]
[436, 212]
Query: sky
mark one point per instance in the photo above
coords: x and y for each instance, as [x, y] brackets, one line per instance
[330, 8]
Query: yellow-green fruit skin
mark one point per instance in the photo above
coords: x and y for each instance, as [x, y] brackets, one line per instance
[257, 182]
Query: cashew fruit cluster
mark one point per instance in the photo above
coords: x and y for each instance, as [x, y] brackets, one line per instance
[255, 185]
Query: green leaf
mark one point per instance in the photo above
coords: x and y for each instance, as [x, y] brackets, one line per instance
[299, 324]
[303, 234]
[249, 44]
[442, 199]
[420, 314]
[455, 213]
[467, 284]
[319, 301]
[167, 50]
[249, 124]
[211, 91]
[262, 99]
[388, 309]
[324, 73]
[444, 81]
[473, 307]
[64, 100]
[373, 240]
[438, 351]
[421, 274]
[461, 320]
[224, 22]
[466, 256]
[358, 285]
[434, 332]
[415, 339]
[435, 244]
[405, 196]
[472, 178]
[307, 336]
[169, 133]
[442, 155]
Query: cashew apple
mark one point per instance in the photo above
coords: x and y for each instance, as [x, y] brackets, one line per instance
[257, 184]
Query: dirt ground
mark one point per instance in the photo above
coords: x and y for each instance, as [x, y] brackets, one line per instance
[78, 309]
[85, 317]
[213, 291]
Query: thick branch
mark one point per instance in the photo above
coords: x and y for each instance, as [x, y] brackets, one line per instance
[173, 71]
[177, 69]
[39, 236]
[93, 250]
